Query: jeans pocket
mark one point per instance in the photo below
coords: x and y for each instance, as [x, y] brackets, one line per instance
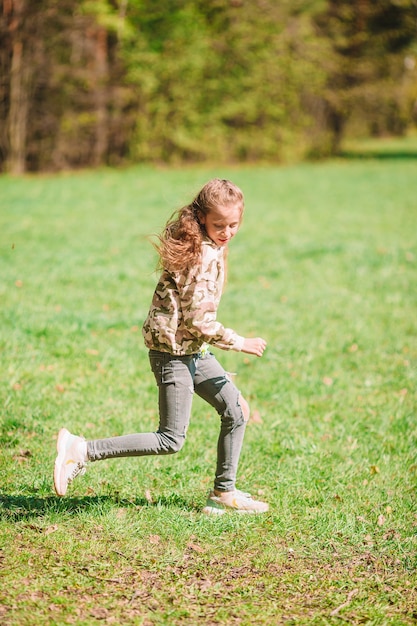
[169, 369]
[157, 360]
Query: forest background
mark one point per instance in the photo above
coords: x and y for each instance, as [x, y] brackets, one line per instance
[86, 83]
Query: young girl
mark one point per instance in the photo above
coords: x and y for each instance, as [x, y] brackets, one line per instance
[181, 323]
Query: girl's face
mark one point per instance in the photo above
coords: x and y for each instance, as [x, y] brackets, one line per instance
[222, 223]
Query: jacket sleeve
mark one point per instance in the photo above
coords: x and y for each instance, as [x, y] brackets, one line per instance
[200, 296]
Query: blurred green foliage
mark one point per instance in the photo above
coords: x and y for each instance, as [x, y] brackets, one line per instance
[113, 82]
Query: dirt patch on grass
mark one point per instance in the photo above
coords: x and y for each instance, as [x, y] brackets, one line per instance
[206, 590]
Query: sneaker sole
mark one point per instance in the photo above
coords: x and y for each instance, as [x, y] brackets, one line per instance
[212, 510]
[61, 449]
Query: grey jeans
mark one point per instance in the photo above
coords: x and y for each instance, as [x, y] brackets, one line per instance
[178, 377]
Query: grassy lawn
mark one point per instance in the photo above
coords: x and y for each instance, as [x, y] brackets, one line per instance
[325, 268]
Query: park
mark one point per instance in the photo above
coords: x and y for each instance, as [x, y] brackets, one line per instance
[324, 267]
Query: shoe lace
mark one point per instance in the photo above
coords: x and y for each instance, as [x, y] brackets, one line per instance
[79, 469]
[243, 494]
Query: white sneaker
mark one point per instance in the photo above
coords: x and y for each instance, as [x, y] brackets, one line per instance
[236, 501]
[71, 460]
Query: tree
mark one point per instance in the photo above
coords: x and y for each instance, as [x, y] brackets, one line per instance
[91, 82]
[220, 79]
[55, 91]
[368, 42]
[17, 59]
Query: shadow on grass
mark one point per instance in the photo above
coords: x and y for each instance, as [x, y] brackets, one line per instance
[22, 508]
[381, 155]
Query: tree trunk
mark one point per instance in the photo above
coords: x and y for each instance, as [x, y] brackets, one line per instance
[19, 94]
[337, 125]
[102, 135]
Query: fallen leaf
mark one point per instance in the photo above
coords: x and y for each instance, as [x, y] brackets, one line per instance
[51, 529]
[391, 534]
[381, 520]
[23, 456]
[374, 469]
[256, 417]
[155, 539]
[328, 381]
[99, 613]
[264, 282]
[195, 547]
[205, 584]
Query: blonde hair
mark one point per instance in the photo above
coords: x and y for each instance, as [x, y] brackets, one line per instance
[179, 245]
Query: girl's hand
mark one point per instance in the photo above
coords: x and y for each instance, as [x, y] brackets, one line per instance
[254, 346]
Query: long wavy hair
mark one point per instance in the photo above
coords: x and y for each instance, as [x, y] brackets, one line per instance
[179, 245]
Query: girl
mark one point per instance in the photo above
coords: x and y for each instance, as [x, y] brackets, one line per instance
[180, 323]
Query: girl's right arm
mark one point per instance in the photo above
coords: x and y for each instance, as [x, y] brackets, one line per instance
[199, 311]
[200, 295]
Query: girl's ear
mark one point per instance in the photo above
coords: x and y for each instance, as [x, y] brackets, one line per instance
[201, 217]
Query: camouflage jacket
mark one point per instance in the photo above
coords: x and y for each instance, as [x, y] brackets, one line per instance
[182, 316]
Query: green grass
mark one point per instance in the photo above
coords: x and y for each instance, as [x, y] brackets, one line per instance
[324, 268]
